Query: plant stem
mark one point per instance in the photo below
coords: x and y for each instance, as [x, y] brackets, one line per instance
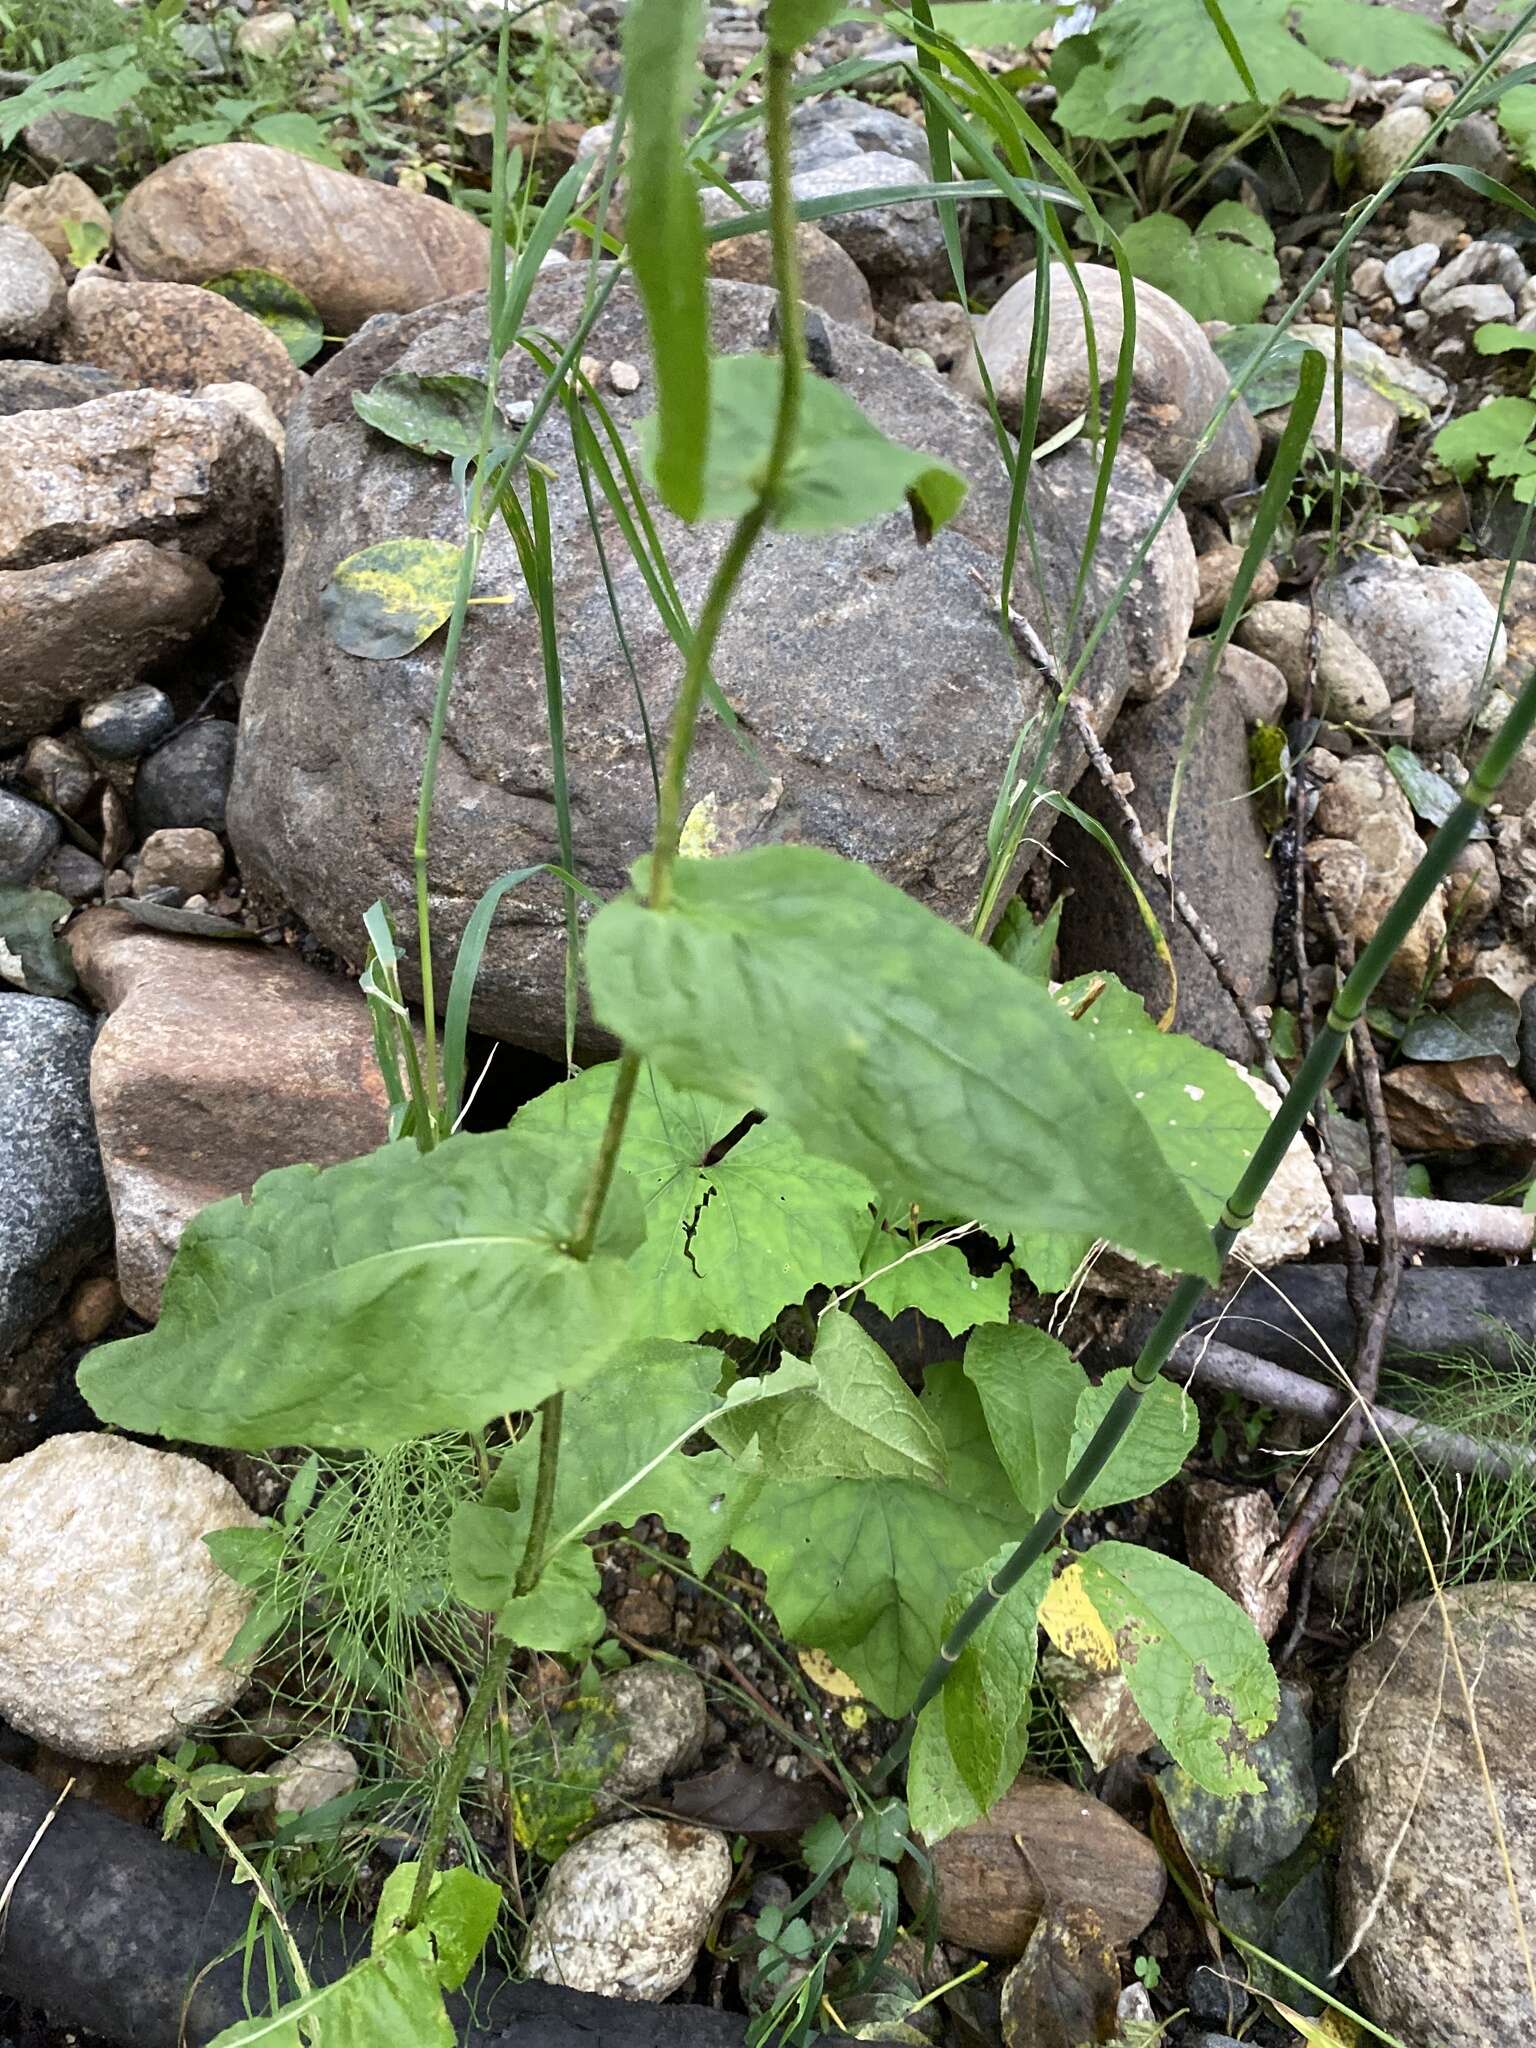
[685, 720]
[1347, 1008]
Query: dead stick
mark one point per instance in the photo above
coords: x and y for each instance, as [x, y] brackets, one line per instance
[1225, 1369]
[1441, 1226]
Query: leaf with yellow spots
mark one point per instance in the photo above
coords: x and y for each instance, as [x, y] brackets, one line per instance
[825, 1676]
[1334, 2030]
[1072, 1622]
[386, 600]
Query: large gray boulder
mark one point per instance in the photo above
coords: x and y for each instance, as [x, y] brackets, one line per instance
[878, 698]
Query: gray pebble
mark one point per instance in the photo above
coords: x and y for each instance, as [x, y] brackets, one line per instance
[73, 874]
[128, 724]
[28, 834]
[1407, 273]
[186, 782]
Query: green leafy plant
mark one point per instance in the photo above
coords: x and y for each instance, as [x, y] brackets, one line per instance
[797, 1036]
[1224, 270]
[1499, 437]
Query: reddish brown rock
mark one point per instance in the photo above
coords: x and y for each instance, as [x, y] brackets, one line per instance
[829, 278]
[1461, 1106]
[1075, 1852]
[216, 1064]
[353, 247]
[174, 337]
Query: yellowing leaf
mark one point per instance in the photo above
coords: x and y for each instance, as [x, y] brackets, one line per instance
[385, 600]
[825, 1676]
[1072, 1622]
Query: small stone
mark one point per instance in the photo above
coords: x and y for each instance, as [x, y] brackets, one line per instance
[829, 278]
[74, 629]
[1364, 807]
[53, 1215]
[1385, 148]
[58, 771]
[937, 326]
[174, 337]
[624, 1911]
[664, 1712]
[1293, 1204]
[1474, 305]
[1461, 1106]
[127, 725]
[1076, 1852]
[71, 142]
[1216, 572]
[254, 404]
[28, 834]
[312, 1775]
[189, 858]
[1406, 274]
[72, 874]
[31, 291]
[1213, 1995]
[624, 378]
[49, 211]
[27, 386]
[641, 1614]
[116, 1620]
[1348, 684]
[1230, 1534]
[264, 36]
[431, 1713]
[186, 781]
[1257, 684]
[1366, 277]
[590, 368]
[94, 1307]
[284, 1071]
[1431, 632]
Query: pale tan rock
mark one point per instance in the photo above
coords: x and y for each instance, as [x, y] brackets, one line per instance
[316, 1772]
[43, 211]
[1364, 804]
[625, 1910]
[136, 465]
[116, 1620]
[173, 337]
[1216, 573]
[75, 630]
[215, 1065]
[245, 398]
[186, 857]
[1176, 387]
[1293, 1204]
[830, 280]
[1230, 1533]
[352, 246]
[665, 1713]
[1347, 685]
[1257, 684]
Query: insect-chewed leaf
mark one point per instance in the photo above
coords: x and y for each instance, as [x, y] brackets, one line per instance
[842, 472]
[793, 982]
[395, 1296]
[435, 415]
[276, 304]
[937, 1281]
[1195, 1664]
[385, 600]
[734, 1232]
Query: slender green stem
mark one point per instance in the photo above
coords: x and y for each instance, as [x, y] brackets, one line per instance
[551, 1415]
[1347, 1008]
[450, 1790]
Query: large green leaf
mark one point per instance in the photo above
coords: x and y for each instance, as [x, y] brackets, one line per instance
[434, 415]
[666, 236]
[1029, 1387]
[842, 471]
[1152, 1451]
[857, 1420]
[1144, 51]
[560, 1615]
[398, 1295]
[1195, 1664]
[1501, 434]
[862, 1568]
[730, 1240]
[1204, 1118]
[788, 980]
[986, 1697]
[1224, 270]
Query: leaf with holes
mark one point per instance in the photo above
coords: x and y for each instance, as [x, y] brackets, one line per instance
[788, 980]
[741, 1220]
[1194, 1662]
[384, 601]
[276, 304]
[862, 1568]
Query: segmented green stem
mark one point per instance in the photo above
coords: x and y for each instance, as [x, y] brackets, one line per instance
[1348, 1006]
